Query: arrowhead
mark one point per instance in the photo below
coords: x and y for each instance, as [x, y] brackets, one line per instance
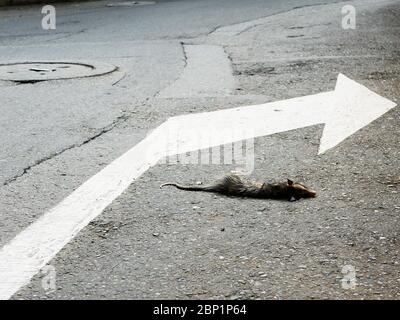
[355, 107]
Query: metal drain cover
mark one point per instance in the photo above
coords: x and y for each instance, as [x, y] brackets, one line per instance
[52, 70]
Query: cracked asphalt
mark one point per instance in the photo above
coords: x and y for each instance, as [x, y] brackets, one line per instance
[168, 244]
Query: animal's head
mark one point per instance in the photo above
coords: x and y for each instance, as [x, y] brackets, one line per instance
[298, 190]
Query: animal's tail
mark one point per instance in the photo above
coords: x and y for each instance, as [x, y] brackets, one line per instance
[188, 188]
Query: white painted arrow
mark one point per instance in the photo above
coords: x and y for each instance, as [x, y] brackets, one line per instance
[343, 111]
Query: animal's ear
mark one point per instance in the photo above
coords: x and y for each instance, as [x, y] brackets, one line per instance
[289, 182]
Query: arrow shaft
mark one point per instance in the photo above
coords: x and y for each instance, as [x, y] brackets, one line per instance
[193, 132]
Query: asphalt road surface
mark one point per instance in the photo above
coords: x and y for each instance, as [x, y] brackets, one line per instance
[185, 57]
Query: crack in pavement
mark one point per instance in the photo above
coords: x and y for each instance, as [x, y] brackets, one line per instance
[236, 28]
[207, 73]
[185, 58]
[120, 119]
[68, 35]
[185, 64]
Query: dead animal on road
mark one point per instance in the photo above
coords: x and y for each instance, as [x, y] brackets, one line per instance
[234, 185]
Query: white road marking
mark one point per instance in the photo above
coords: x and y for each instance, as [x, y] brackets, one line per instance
[344, 111]
[208, 74]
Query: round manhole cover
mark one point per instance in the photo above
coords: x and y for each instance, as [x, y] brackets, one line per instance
[53, 70]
